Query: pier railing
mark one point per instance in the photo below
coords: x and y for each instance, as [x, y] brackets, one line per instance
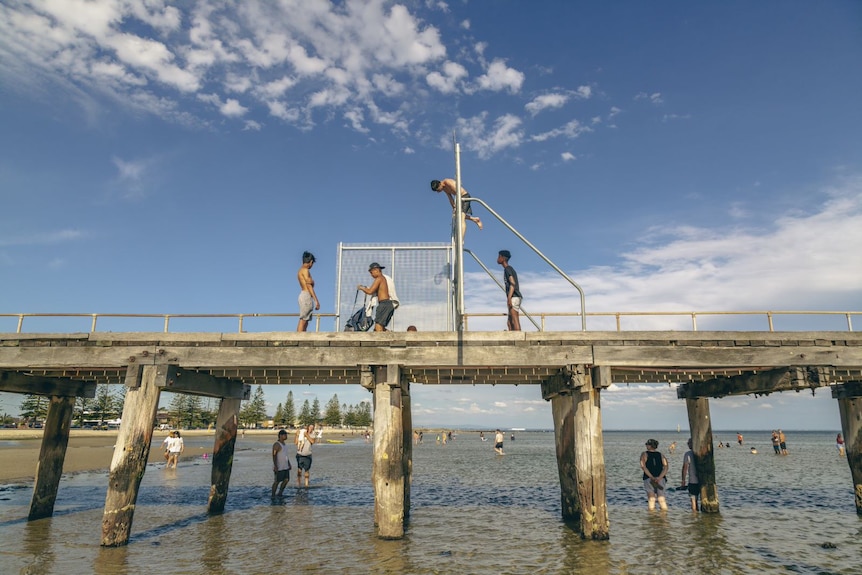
[766, 316]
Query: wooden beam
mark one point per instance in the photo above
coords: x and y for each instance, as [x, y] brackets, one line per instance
[388, 458]
[700, 423]
[130, 456]
[761, 383]
[55, 439]
[188, 381]
[407, 442]
[849, 390]
[569, 379]
[222, 460]
[17, 382]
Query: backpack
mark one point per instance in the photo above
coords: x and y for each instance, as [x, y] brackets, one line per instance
[361, 320]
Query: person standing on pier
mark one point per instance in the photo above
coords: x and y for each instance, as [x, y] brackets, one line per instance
[304, 440]
[689, 477]
[280, 464]
[383, 288]
[451, 188]
[307, 297]
[513, 293]
[655, 467]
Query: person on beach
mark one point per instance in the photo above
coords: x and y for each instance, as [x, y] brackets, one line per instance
[450, 186]
[280, 464]
[383, 288]
[776, 443]
[307, 297]
[175, 449]
[654, 467]
[513, 294]
[689, 477]
[498, 443]
[782, 442]
[839, 445]
[166, 444]
[304, 440]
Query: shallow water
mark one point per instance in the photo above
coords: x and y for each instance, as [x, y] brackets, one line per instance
[472, 512]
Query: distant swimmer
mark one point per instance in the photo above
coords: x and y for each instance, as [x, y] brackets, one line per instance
[498, 442]
[839, 445]
[753, 450]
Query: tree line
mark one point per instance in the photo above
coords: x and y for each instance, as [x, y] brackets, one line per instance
[192, 411]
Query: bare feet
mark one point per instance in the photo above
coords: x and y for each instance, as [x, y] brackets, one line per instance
[478, 222]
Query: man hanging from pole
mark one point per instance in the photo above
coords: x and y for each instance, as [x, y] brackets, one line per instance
[450, 187]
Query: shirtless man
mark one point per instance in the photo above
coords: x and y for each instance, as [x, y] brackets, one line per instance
[450, 187]
[384, 289]
[307, 298]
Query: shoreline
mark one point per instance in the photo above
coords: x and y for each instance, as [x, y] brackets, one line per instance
[92, 450]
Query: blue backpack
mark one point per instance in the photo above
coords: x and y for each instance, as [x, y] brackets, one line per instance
[361, 320]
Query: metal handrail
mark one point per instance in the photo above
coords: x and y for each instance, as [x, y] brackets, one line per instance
[618, 315]
[541, 255]
[502, 287]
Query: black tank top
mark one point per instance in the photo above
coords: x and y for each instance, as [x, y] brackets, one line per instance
[653, 463]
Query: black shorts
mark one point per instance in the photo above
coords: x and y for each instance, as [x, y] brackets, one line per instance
[385, 309]
[282, 475]
[694, 489]
[303, 462]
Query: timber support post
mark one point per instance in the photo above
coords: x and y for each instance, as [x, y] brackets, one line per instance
[574, 394]
[849, 396]
[131, 453]
[388, 465]
[55, 439]
[407, 441]
[222, 460]
[700, 424]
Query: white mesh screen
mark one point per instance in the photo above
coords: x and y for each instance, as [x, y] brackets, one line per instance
[422, 277]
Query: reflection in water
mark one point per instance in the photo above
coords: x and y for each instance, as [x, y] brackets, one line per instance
[40, 555]
[216, 545]
[111, 561]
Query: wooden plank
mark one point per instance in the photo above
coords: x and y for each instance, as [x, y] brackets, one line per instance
[55, 439]
[761, 383]
[181, 380]
[722, 356]
[17, 382]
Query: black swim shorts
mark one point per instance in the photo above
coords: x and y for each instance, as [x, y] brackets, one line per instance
[303, 462]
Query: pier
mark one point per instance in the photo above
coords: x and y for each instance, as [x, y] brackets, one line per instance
[569, 370]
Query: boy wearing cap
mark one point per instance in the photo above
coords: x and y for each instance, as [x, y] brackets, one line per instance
[450, 187]
[383, 288]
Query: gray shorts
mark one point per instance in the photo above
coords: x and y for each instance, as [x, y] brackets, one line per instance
[385, 309]
[652, 490]
[516, 303]
[306, 305]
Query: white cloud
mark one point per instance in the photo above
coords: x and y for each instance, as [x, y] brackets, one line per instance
[545, 102]
[572, 129]
[505, 133]
[232, 109]
[447, 80]
[499, 77]
[654, 98]
[568, 156]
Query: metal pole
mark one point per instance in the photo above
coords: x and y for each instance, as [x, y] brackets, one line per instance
[459, 244]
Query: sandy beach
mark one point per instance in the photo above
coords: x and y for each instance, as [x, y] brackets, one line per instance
[88, 450]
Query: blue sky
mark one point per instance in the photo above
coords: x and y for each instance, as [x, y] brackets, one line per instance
[178, 157]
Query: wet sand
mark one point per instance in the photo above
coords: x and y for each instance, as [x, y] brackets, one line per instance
[88, 450]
